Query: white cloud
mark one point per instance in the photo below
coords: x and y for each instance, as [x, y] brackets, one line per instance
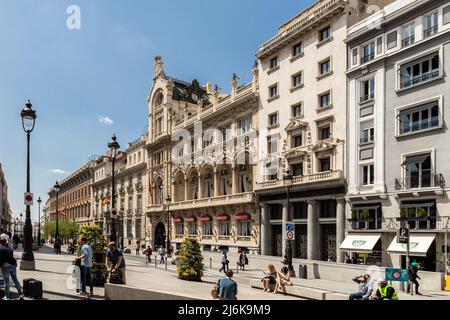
[57, 171]
[106, 121]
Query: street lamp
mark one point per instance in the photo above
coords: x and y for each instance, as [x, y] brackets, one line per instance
[287, 181]
[114, 146]
[28, 121]
[168, 200]
[57, 188]
[39, 222]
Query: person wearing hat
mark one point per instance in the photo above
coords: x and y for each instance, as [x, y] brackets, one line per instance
[412, 276]
[385, 291]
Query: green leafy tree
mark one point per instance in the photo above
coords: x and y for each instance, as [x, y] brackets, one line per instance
[96, 239]
[190, 265]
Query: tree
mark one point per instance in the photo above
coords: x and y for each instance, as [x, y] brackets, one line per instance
[67, 229]
[95, 238]
[190, 265]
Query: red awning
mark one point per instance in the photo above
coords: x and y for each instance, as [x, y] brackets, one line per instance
[204, 219]
[190, 219]
[223, 217]
[242, 217]
[176, 220]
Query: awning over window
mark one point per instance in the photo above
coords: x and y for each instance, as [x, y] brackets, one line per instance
[417, 205]
[190, 219]
[242, 217]
[360, 242]
[414, 159]
[177, 220]
[418, 245]
[223, 217]
[205, 219]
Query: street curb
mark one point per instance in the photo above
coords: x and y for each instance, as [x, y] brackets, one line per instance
[67, 295]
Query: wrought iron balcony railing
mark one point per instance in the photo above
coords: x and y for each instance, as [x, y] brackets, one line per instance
[421, 181]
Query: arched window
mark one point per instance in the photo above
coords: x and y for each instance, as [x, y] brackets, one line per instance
[159, 99]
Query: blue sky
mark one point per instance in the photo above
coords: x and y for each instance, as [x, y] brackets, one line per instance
[76, 77]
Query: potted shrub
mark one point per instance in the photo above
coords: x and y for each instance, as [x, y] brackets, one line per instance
[412, 213]
[354, 214]
[94, 236]
[190, 264]
[421, 212]
[364, 215]
[402, 212]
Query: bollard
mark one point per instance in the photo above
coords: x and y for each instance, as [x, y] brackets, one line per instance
[156, 258]
[210, 263]
[166, 263]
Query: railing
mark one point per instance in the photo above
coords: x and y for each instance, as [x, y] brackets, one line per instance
[316, 177]
[367, 58]
[430, 31]
[421, 181]
[367, 139]
[365, 224]
[238, 198]
[408, 41]
[420, 125]
[420, 78]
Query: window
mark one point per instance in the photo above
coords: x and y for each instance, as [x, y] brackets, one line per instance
[273, 119]
[368, 175]
[272, 145]
[244, 126]
[297, 141]
[297, 80]
[367, 135]
[244, 228]
[408, 35]
[224, 228]
[392, 40]
[300, 210]
[275, 211]
[419, 71]
[430, 25]
[273, 91]
[324, 164]
[368, 53]
[446, 15]
[207, 228]
[367, 217]
[354, 56]
[159, 125]
[419, 118]
[130, 203]
[297, 49]
[327, 209]
[192, 230]
[419, 214]
[324, 33]
[226, 133]
[324, 67]
[325, 132]
[179, 228]
[297, 169]
[325, 100]
[273, 63]
[208, 140]
[297, 110]
[417, 170]
[139, 202]
[367, 90]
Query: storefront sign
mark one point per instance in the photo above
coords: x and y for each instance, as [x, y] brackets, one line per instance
[395, 274]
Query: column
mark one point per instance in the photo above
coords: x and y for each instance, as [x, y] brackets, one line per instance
[264, 233]
[200, 186]
[285, 218]
[235, 179]
[186, 189]
[312, 229]
[340, 229]
[216, 182]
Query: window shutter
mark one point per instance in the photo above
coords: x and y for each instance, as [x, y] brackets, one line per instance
[446, 15]
[392, 40]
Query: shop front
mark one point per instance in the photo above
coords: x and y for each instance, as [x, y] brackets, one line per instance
[363, 248]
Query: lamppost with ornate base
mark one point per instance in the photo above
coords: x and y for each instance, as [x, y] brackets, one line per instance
[287, 181]
[168, 248]
[57, 188]
[114, 146]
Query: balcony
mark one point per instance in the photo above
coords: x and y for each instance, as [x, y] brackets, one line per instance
[367, 58]
[419, 125]
[318, 178]
[430, 31]
[420, 182]
[408, 41]
[407, 82]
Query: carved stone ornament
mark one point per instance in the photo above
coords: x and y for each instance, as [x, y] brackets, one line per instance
[324, 145]
[158, 70]
[296, 124]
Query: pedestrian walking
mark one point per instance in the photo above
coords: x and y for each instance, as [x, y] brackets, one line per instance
[224, 260]
[413, 276]
[116, 261]
[227, 287]
[148, 254]
[365, 288]
[243, 260]
[8, 265]
[137, 248]
[57, 245]
[162, 254]
[86, 265]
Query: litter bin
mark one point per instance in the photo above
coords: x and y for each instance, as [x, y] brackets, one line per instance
[302, 272]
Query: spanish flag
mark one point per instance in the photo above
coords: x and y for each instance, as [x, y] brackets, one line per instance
[105, 201]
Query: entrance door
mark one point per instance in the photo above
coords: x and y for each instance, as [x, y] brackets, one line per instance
[277, 244]
[160, 235]
[328, 233]
[301, 244]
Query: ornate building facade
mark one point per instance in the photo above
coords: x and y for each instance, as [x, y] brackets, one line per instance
[200, 169]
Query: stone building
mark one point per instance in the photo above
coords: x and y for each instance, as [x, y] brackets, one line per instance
[397, 133]
[5, 210]
[200, 167]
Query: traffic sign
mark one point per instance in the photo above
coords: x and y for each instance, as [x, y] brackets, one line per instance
[28, 199]
[290, 230]
[403, 235]
[114, 214]
[395, 274]
[290, 235]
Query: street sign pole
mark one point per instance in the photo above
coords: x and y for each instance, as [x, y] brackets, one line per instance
[407, 260]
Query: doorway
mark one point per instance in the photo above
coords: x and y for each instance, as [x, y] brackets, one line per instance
[160, 235]
[277, 243]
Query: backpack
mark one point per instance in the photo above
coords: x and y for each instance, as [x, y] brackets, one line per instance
[115, 277]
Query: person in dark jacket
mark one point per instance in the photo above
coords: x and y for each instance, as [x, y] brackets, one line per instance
[227, 287]
[9, 268]
[243, 260]
[412, 276]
